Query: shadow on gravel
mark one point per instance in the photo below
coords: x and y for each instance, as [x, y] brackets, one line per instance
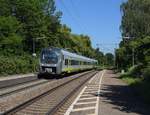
[124, 99]
[52, 76]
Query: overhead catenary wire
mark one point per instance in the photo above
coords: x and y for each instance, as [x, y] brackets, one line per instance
[76, 12]
[107, 47]
[72, 16]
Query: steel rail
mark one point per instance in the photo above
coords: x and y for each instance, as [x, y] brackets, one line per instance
[56, 108]
[30, 101]
[21, 89]
[16, 84]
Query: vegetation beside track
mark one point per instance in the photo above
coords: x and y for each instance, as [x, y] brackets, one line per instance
[133, 54]
[17, 65]
[134, 49]
[140, 82]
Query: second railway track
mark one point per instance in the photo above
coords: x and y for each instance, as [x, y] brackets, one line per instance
[24, 85]
[20, 87]
[49, 101]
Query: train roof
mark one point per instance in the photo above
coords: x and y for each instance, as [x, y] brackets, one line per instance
[73, 55]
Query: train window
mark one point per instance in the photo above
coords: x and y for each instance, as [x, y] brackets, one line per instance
[71, 62]
[74, 62]
[85, 63]
[80, 63]
[66, 61]
[48, 56]
[77, 63]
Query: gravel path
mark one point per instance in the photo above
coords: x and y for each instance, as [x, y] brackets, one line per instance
[116, 98]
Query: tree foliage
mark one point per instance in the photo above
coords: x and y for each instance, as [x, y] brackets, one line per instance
[135, 18]
[109, 59]
[136, 27]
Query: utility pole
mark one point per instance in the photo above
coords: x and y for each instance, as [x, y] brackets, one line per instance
[114, 57]
[33, 45]
[133, 51]
[133, 57]
[115, 63]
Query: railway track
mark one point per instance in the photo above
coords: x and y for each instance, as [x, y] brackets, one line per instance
[6, 83]
[50, 101]
[17, 87]
[20, 87]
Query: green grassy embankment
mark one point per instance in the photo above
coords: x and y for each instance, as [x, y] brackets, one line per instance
[140, 82]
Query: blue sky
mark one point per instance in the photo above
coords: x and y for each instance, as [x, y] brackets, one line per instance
[99, 19]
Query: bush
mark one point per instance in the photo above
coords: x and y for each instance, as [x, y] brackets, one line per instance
[146, 74]
[17, 65]
[141, 85]
[135, 71]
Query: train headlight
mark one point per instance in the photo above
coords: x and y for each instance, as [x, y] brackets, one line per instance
[42, 64]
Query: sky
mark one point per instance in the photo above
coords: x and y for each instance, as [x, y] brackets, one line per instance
[99, 19]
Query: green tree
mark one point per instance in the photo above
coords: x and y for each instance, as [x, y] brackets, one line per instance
[109, 59]
[10, 39]
[135, 18]
[135, 25]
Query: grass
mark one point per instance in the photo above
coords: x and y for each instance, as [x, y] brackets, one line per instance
[141, 86]
[131, 81]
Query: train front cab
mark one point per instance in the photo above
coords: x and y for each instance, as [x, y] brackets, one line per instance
[50, 62]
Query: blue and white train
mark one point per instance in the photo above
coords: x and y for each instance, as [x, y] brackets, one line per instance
[57, 61]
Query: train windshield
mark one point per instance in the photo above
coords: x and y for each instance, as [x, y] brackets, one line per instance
[49, 57]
